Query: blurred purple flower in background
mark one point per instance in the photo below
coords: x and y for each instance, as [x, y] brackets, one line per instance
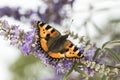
[51, 14]
[10, 12]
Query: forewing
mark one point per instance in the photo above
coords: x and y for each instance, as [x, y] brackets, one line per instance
[47, 35]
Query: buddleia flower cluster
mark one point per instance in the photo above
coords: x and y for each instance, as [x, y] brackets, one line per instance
[27, 43]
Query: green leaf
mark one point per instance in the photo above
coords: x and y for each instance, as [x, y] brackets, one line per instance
[114, 54]
[115, 21]
[110, 66]
[69, 72]
[96, 53]
[80, 71]
[111, 43]
[104, 78]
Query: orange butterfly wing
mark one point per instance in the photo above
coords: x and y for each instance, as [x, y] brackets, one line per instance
[48, 35]
[72, 51]
[45, 31]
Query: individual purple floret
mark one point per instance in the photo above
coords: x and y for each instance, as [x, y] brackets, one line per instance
[4, 27]
[14, 35]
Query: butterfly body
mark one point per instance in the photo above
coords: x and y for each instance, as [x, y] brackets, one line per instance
[56, 45]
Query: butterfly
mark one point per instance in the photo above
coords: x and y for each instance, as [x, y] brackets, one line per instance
[56, 45]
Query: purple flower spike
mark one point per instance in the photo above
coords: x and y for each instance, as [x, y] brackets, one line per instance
[81, 48]
[29, 36]
[62, 66]
[28, 41]
[19, 38]
[26, 48]
[67, 64]
[90, 54]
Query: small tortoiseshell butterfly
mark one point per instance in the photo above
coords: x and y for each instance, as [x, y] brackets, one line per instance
[56, 45]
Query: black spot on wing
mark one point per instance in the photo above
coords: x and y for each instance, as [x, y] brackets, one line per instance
[48, 35]
[75, 49]
[52, 31]
[67, 50]
[48, 27]
[38, 22]
[80, 53]
[42, 24]
[71, 45]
